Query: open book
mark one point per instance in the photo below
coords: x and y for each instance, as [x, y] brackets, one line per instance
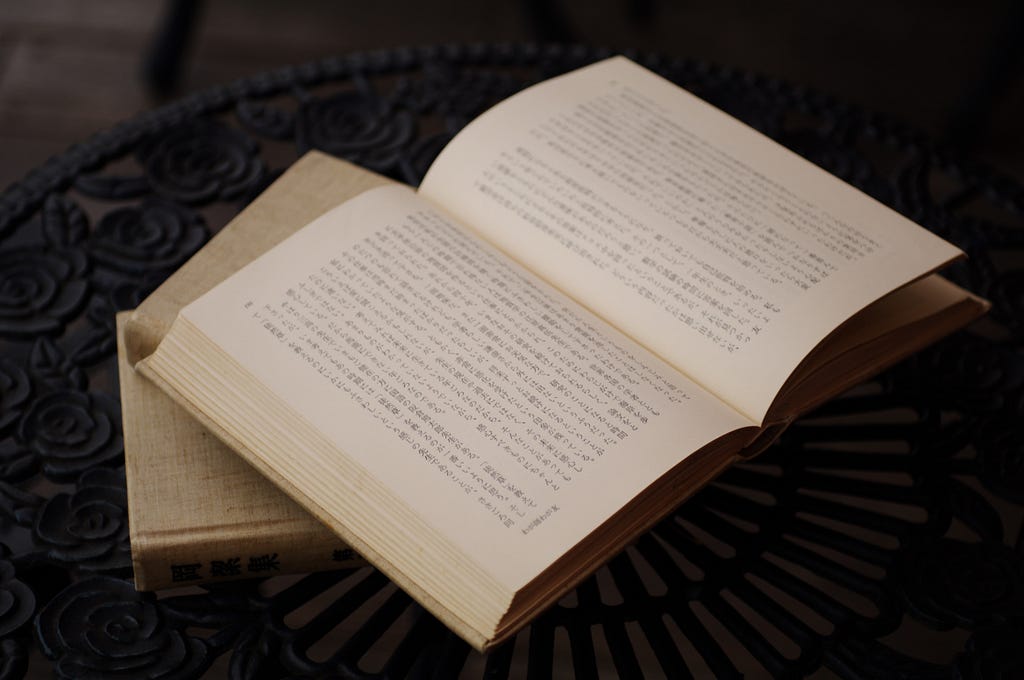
[604, 292]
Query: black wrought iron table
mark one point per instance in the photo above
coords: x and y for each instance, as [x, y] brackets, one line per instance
[881, 537]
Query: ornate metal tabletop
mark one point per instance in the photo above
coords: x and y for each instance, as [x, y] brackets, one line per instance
[880, 537]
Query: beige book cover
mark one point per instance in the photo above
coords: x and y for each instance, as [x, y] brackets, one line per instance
[198, 512]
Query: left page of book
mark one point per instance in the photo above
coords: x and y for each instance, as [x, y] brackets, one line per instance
[493, 410]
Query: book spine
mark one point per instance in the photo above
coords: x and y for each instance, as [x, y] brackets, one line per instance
[181, 560]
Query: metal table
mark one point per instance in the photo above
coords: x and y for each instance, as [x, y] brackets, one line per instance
[881, 537]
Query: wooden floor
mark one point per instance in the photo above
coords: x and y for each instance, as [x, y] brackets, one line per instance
[69, 68]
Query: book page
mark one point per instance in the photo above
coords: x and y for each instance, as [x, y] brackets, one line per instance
[506, 415]
[708, 243]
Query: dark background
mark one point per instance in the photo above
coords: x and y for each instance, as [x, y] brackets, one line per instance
[955, 70]
[69, 68]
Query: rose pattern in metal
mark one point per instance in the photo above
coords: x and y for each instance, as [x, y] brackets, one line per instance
[100, 627]
[154, 235]
[880, 537]
[88, 527]
[39, 291]
[72, 431]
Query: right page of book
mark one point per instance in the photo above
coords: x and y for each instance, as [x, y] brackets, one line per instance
[708, 243]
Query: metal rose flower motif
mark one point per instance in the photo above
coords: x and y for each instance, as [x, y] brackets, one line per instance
[201, 162]
[17, 462]
[39, 291]
[355, 126]
[17, 601]
[14, 391]
[71, 432]
[155, 235]
[103, 628]
[88, 527]
[50, 366]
